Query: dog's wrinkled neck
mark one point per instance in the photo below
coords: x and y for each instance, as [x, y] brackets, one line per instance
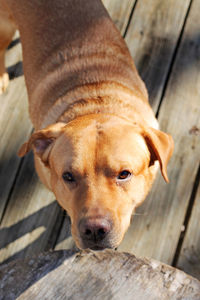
[105, 97]
[98, 98]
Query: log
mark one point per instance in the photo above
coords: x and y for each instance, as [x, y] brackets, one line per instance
[95, 275]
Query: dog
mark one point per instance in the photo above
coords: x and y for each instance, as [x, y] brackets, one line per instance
[96, 143]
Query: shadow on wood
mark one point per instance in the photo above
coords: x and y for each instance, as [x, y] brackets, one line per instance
[35, 225]
[94, 275]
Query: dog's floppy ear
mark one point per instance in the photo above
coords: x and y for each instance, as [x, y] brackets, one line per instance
[161, 146]
[42, 140]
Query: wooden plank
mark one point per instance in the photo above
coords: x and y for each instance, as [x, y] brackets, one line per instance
[15, 127]
[32, 215]
[156, 234]
[120, 12]
[65, 240]
[189, 259]
[90, 275]
[152, 36]
[14, 54]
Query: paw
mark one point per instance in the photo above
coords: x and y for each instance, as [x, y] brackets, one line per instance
[4, 81]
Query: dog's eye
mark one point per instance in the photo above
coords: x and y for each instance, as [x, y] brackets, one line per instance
[124, 175]
[68, 177]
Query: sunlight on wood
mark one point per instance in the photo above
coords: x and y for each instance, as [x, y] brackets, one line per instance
[67, 243]
[21, 243]
[14, 54]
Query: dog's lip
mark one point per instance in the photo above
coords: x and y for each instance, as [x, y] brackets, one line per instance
[97, 247]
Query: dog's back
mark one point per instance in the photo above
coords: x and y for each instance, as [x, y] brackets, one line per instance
[80, 51]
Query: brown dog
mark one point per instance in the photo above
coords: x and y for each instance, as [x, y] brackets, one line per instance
[97, 142]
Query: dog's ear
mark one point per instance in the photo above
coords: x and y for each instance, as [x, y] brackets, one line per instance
[42, 140]
[161, 146]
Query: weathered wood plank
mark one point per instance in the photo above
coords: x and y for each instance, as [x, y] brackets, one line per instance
[65, 240]
[152, 36]
[95, 275]
[32, 215]
[30, 218]
[156, 234]
[15, 127]
[14, 54]
[189, 259]
[120, 12]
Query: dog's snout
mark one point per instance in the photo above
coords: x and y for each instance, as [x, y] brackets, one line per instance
[94, 229]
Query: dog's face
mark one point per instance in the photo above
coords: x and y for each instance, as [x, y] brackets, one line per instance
[100, 169]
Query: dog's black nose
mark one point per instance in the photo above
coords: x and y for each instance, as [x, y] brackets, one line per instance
[94, 229]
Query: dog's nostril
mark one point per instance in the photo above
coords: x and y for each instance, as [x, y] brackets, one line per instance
[101, 232]
[88, 232]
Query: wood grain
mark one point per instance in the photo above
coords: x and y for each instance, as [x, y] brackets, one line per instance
[120, 12]
[30, 216]
[189, 259]
[65, 240]
[94, 275]
[152, 37]
[156, 233]
[15, 127]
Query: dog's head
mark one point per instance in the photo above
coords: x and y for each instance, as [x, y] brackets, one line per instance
[100, 169]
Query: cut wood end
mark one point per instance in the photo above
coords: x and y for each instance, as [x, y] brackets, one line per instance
[104, 274]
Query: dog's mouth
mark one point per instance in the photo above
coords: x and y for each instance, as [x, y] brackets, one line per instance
[96, 247]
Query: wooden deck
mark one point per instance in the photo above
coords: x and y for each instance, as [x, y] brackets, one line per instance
[164, 39]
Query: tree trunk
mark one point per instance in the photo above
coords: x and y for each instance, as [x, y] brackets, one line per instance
[95, 275]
